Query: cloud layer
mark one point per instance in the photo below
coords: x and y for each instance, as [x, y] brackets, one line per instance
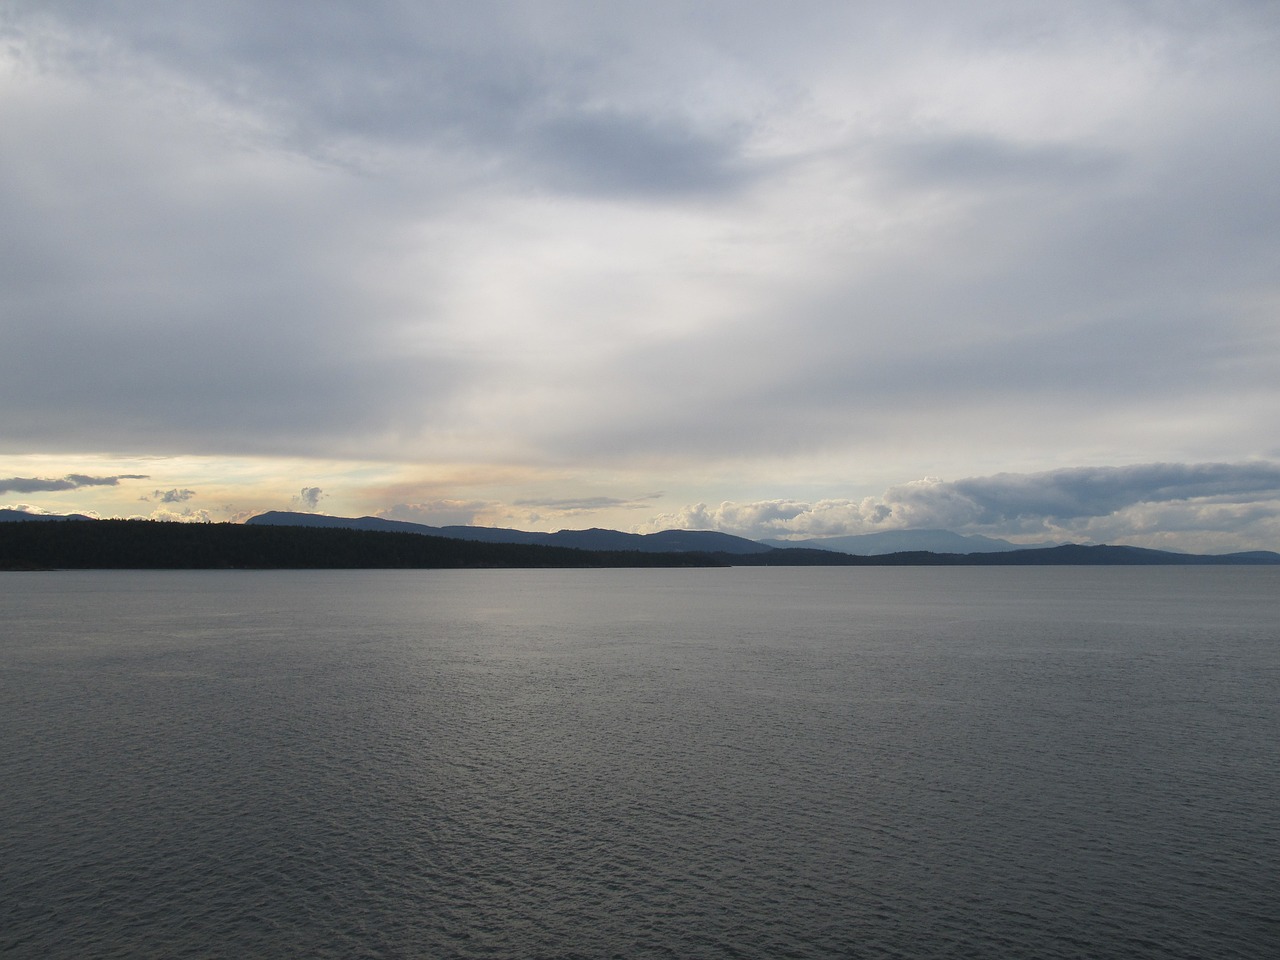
[725, 250]
[1155, 503]
[75, 481]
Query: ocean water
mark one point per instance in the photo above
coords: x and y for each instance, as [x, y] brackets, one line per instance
[753, 763]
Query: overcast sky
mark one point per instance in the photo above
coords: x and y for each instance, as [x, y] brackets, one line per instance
[809, 268]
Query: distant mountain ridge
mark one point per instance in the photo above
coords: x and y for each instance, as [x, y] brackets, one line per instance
[908, 547]
[1067, 555]
[1102, 554]
[306, 540]
[901, 541]
[668, 541]
[17, 516]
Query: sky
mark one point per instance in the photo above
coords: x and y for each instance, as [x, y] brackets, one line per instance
[783, 270]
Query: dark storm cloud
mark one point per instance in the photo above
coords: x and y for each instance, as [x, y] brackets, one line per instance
[74, 481]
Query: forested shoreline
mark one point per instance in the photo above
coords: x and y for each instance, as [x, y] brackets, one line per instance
[160, 545]
[150, 544]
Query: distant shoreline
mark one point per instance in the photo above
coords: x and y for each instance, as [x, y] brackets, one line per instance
[160, 545]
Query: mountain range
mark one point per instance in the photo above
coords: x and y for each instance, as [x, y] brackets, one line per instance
[898, 541]
[864, 545]
[679, 547]
[7, 515]
[668, 541]
[903, 546]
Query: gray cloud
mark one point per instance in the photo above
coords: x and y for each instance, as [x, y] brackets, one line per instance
[173, 496]
[986, 161]
[861, 240]
[612, 154]
[1128, 503]
[308, 498]
[73, 481]
[538, 91]
[186, 515]
[439, 513]
[1089, 491]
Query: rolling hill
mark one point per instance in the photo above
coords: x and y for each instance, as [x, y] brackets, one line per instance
[668, 541]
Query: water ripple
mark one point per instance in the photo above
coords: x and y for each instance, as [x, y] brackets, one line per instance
[640, 764]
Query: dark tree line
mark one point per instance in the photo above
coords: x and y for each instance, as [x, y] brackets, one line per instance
[156, 545]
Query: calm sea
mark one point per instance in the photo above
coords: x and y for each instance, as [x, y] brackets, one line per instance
[1048, 762]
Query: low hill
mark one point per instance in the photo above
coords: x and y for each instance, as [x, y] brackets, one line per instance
[899, 541]
[1068, 555]
[148, 544]
[21, 516]
[668, 541]
[1116, 555]
[151, 545]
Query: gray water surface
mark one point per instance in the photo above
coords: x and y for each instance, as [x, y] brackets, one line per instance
[1048, 762]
